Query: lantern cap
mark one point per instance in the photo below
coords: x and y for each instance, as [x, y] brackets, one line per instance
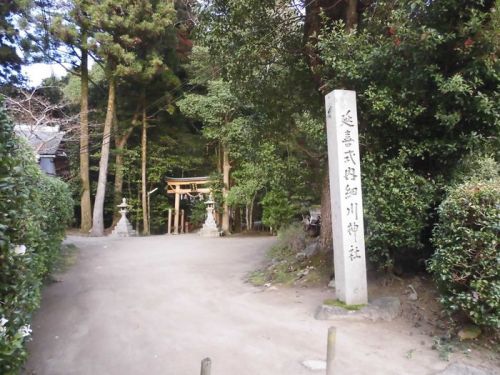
[123, 204]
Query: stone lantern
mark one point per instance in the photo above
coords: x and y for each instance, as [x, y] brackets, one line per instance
[123, 228]
[210, 227]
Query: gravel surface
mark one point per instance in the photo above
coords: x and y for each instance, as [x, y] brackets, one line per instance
[160, 304]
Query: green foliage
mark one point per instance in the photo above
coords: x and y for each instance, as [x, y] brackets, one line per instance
[397, 203]
[216, 187]
[277, 210]
[10, 39]
[285, 267]
[465, 264]
[475, 167]
[198, 213]
[291, 240]
[72, 89]
[35, 211]
[277, 135]
[444, 346]
[201, 69]
[216, 110]
[338, 303]
[437, 96]
[124, 39]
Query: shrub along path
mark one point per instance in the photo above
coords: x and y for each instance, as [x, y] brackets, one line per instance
[158, 305]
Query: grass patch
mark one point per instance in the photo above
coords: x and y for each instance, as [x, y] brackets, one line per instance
[337, 303]
[284, 273]
[257, 278]
[286, 268]
[444, 347]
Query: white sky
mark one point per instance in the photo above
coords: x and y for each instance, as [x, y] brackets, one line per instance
[38, 72]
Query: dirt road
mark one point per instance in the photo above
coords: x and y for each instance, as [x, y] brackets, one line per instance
[159, 305]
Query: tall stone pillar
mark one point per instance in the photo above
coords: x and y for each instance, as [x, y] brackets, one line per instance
[346, 200]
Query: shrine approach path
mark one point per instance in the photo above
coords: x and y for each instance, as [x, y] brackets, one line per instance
[160, 304]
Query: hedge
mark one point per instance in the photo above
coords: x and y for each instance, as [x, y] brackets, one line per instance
[397, 204]
[34, 212]
[467, 258]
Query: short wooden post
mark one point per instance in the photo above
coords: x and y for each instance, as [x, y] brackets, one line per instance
[169, 228]
[330, 350]
[206, 365]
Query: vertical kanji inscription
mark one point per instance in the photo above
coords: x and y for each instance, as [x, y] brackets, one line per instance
[346, 197]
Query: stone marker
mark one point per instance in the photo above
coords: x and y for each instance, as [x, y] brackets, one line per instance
[345, 194]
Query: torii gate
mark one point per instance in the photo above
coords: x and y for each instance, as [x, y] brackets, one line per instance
[185, 185]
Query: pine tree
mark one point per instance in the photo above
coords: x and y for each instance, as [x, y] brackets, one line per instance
[122, 32]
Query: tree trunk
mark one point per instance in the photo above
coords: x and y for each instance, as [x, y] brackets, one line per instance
[237, 219]
[312, 27]
[247, 217]
[118, 186]
[250, 215]
[218, 156]
[351, 14]
[144, 144]
[98, 216]
[226, 167]
[325, 238]
[85, 204]
[121, 141]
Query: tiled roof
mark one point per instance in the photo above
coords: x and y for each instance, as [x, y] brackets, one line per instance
[44, 140]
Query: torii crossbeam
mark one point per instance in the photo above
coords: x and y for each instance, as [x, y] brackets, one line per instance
[185, 185]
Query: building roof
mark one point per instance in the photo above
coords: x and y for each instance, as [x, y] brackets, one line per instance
[45, 140]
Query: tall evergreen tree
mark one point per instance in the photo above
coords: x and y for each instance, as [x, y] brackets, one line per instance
[120, 31]
[10, 40]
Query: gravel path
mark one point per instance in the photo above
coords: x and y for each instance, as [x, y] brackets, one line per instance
[159, 305]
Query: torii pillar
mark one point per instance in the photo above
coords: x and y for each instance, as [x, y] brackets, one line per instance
[177, 208]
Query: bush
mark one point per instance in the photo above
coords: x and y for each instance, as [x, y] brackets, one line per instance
[475, 166]
[198, 213]
[465, 264]
[291, 239]
[35, 210]
[397, 203]
[277, 211]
